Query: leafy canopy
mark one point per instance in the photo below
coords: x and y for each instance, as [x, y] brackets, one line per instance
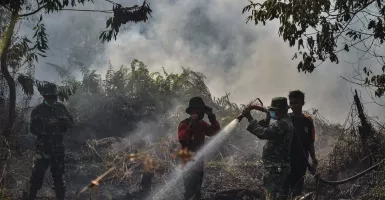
[24, 48]
[322, 28]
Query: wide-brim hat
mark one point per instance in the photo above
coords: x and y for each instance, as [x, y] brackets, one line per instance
[278, 103]
[197, 102]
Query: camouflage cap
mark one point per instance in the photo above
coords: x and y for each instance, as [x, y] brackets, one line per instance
[48, 89]
[279, 103]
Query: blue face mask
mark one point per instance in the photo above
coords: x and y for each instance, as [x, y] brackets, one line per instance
[272, 115]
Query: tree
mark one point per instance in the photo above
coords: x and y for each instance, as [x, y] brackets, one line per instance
[323, 28]
[132, 94]
[20, 9]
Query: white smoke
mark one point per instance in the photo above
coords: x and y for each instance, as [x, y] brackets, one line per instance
[208, 36]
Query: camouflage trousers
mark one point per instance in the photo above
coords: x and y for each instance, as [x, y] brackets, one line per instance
[274, 180]
[40, 165]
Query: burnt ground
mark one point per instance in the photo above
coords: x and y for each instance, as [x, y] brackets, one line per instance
[225, 178]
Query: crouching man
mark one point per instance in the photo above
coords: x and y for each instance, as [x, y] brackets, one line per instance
[276, 151]
[191, 135]
[49, 122]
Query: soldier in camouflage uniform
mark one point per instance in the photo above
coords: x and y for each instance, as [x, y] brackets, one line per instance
[49, 122]
[276, 152]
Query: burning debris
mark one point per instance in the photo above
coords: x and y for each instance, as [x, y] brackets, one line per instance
[184, 155]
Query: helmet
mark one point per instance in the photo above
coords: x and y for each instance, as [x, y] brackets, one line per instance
[48, 89]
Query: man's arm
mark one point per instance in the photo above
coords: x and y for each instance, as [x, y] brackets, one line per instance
[185, 132]
[265, 122]
[312, 140]
[214, 126]
[267, 133]
[312, 148]
[36, 126]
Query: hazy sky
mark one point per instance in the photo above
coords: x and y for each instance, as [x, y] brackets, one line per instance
[208, 36]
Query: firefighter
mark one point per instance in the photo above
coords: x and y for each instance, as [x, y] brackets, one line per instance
[50, 120]
[276, 152]
[191, 135]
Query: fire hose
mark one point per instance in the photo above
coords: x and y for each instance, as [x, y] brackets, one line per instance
[253, 107]
[327, 182]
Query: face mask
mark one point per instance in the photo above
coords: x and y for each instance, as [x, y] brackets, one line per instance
[273, 115]
[50, 100]
[46, 102]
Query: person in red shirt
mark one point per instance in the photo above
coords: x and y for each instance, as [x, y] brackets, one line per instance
[191, 135]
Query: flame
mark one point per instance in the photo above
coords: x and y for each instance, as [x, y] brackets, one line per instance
[184, 155]
[148, 164]
[132, 157]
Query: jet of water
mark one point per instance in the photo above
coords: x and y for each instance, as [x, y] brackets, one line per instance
[175, 177]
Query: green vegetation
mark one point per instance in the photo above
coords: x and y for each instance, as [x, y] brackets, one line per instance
[323, 28]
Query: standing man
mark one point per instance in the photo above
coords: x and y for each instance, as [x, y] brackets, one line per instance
[302, 145]
[276, 151]
[49, 122]
[191, 135]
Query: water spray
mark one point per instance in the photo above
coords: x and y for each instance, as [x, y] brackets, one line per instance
[164, 191]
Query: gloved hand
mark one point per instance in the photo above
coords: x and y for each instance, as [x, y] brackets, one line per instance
[246, 113]
[313, 167]
[210, 115]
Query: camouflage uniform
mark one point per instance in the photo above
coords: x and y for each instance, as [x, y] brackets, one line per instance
[49, 149]
[276, 152]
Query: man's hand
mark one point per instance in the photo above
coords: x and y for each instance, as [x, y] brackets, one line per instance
[210, 114]
[268, 117]
[246, 113]
[313, 167]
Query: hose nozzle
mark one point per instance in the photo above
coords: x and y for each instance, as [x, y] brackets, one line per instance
[256, 107]
[240, 117]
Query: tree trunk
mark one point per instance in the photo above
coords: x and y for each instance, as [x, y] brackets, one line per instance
[6, 132]
[5, 44]
[366, 132]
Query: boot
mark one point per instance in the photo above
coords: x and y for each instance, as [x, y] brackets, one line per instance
[60, 193]
[29, 193]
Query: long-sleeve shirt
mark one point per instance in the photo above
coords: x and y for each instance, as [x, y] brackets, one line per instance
[193, 137]
[276, 151]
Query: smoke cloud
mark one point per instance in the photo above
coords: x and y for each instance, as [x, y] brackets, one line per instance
[211, 37]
